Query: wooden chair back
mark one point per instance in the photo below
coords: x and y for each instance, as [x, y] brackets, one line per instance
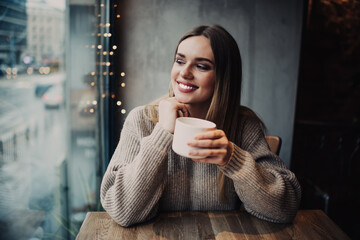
[274, 143]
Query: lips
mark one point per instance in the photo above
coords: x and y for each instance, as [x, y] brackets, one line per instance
[186, 87]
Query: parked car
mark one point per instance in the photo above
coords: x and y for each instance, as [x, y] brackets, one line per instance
[54, 96]
[41, 88]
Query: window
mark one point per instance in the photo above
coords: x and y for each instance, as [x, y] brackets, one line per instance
[52, 117]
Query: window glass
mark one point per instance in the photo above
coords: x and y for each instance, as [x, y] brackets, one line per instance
[49, 111]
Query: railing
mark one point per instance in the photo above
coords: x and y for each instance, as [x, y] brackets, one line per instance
[15, 164]
[13, 142]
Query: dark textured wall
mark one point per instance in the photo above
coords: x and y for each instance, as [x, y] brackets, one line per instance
[267, 32]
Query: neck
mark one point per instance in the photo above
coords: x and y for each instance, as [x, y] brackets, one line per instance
[198, 110]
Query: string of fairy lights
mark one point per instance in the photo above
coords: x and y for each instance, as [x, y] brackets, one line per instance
[104, 52]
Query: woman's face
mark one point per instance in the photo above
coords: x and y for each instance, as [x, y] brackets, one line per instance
[193, 72]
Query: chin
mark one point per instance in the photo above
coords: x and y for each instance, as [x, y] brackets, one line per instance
[181, 100]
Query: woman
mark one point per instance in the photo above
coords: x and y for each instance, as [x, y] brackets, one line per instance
[145, 176]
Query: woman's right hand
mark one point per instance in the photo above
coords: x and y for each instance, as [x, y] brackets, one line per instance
[168, 112]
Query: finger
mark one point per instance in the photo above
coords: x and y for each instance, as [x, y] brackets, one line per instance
[208, 160]
[181, 108]
[208, 152]
[210, 134]
[209, 143]
[180, 113]
[184, 112]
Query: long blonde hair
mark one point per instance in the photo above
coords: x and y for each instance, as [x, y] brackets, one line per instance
[225, 109]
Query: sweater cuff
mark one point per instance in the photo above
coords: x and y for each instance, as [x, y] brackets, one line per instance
[236, 162]
[161, 137]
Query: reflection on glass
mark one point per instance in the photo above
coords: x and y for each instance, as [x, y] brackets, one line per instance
[47, 118]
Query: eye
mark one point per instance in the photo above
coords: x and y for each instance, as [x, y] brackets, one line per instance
[179, 61]
[203, 67]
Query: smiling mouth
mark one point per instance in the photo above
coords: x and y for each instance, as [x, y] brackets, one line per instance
[187, 87]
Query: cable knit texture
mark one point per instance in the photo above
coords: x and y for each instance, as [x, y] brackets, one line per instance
[146, 176]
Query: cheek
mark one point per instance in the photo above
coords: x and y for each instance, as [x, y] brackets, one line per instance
[210, 87]
[173, 73]
[210, 83]
[173, 79]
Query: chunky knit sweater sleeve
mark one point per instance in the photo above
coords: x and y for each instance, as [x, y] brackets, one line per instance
[136, 176]
[261, 180]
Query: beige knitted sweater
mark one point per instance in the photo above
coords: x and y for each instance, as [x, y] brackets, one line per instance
[145, 176]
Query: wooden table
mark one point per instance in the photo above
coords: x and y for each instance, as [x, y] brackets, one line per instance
[308, 224]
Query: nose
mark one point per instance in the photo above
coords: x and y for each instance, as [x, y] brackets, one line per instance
[186, 72]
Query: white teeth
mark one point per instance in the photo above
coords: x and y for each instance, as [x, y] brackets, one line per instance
[185, 86]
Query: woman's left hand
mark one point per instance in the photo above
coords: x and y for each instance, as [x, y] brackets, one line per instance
[214, 144]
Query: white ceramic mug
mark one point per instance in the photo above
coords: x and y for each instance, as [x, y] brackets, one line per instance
[185, 130]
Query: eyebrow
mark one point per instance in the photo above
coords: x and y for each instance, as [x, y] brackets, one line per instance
[197, 59]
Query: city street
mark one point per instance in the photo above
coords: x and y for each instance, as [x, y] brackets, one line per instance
[47, 153]
[33, 149]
